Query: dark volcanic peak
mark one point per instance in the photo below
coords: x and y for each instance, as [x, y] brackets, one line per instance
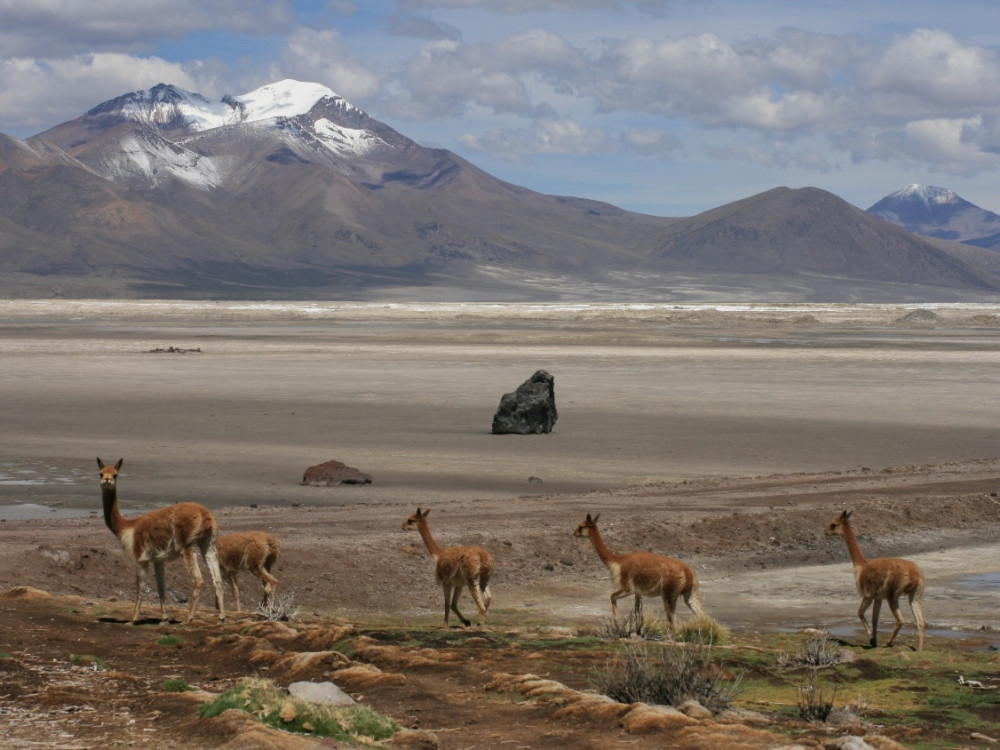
[936, 212]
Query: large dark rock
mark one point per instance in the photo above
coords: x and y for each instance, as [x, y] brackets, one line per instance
[530, 410]
[333, 473]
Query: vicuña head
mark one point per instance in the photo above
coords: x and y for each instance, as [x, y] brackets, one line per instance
[160, 536]
[253, 551]
[456, 567]
[644, 574]
[885, 578]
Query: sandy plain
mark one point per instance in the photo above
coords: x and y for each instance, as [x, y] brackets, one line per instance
[723, 434]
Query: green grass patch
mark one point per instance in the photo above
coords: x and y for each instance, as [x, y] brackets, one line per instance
[90, 661]
[274, 707]
[170, 640]
[176, 685]
[5, 655]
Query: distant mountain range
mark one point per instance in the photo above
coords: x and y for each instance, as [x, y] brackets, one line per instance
[289, 191]
[939, 212]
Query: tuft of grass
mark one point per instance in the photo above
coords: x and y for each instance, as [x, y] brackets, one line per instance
[274, 707]
[170, 640]
[5, 655]
[95, 662]
[669, 675]
[176, 685]
[702, 629]
[818, 651]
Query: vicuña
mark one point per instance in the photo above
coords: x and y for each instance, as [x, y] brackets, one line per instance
[162, 535]
[456, 567]
[885, 578]
[253, 551]
[644, 574]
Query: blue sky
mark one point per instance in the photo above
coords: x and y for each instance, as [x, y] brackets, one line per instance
[669, 107]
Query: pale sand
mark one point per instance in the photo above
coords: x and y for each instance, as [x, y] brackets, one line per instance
[407, 394]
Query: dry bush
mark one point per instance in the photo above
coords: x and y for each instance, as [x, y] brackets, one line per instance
[278, 608]
[668, 675]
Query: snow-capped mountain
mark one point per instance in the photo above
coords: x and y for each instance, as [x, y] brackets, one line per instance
[289, 191]
[173, 131]
[937, 212]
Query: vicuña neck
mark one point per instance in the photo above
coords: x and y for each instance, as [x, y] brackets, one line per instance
[606, 555]
[852, 545]
[112, 517]
[425, 534]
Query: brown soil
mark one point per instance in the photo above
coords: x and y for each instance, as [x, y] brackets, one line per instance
[356, 578]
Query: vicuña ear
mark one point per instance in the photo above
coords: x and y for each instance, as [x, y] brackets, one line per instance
[596, 517]
[100, 463]
[119, 464]
[845, 515]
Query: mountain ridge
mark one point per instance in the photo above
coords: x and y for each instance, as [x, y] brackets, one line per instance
[291, 191]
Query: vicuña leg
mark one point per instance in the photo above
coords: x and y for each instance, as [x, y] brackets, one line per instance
[481, 604]
[191, 563]
[160, 573]
[210, 551]
[876, 608]
[918, 614]
[866, 602]
[141, 575]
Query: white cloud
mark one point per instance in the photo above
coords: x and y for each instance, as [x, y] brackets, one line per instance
[447, 77]
[35, 94]
[546, 137]
[649, 141]
[936, 73]
[774, 154]
[46, 28]
[324, 56]
[653, 7]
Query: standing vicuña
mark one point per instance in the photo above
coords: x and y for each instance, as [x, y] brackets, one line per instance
[882, 578]
[644, 574]
[163, 535]
[456, 567]
[253, 551]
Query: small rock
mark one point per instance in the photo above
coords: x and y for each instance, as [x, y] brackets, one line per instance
[332, 473]
[321, 693]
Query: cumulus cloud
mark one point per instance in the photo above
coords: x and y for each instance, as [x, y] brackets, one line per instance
[546, 137]
[447, 77]
[46, 28]
[931, 71]
[773, 154]
[649, 141]
[509, 7]
[322, 55]
[37, 94]
[420, 27]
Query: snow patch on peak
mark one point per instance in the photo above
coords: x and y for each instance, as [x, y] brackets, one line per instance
[287, 98]
[169, 107]
[927, 194]
[346, 140]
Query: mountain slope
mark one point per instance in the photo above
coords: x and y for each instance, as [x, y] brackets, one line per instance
[290, 191]
[810, 232]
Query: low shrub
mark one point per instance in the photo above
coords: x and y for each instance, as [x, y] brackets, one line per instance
[669, 675]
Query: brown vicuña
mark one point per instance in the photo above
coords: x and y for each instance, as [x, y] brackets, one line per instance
[456, 567]
[644, 574]
[882, 578]
[253, 551]
[160, 536]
